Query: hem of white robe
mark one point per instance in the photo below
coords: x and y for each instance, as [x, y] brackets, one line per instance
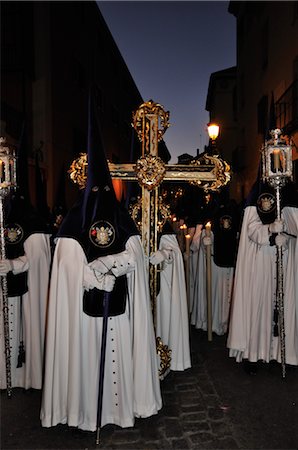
[203, 326]
[239, 355]
[182, 366]
[25, 386]
[72, 421]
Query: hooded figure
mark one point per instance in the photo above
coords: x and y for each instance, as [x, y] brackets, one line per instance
[27, 266]
[253, 329]
[195, 220]
[172, 323]
[222, 239]
[98, 249]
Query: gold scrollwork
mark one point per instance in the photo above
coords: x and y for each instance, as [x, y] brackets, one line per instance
[164, 213]
[78, 170]
[135, 211]
[165, 356]
[146, 109]
[150, 171]
[220, 168]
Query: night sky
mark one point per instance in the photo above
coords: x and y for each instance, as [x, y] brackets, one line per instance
[171, 48]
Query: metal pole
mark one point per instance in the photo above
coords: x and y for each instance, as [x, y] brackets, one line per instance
[209, 291]
[280, 293]
[106, 298]
[5, 305]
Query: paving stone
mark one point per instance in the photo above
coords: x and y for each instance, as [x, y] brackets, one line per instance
[211, 401]
[188, 398]
[126, 435]
[126, 446]
[227, 443]
[202, 438]
[150, 433]
[186, 388]
[170, 399]
[180, 444]
[215, 413]
[192, 427]
[198, 407]
[173, 428]
[164, 444]
[195, 417]
[206, 387]
[171, 410]
[220, 428]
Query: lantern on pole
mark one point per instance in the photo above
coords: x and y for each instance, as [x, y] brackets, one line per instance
[7, 182]
[277, 169]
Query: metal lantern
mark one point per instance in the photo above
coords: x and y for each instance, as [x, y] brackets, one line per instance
[7, 182]
[277, 160]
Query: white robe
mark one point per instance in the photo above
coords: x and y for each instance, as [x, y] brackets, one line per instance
[193, 264]
[221, 292]
[172, 323]
[73, 344]
[251, 324]
[37, 251]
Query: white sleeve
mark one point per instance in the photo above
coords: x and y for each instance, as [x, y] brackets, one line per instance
[119, 263]
[19, 265]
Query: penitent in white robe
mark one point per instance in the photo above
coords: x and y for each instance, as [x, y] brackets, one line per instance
[73, 344]
[251, 324]
[193, 264]
[221, 292]
[172, 323]
[34, 305]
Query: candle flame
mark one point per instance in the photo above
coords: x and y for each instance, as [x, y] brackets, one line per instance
[187, 236]
[208, 225]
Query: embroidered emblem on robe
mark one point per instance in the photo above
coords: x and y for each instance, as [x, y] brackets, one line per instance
[14, 233]
[102, 234]
[266, 203]
[226, 222]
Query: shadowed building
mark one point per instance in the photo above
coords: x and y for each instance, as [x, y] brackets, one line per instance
[51, 52]
[267, 67]
[222, 107]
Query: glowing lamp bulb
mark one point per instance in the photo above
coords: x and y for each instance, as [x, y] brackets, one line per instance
[213, 131]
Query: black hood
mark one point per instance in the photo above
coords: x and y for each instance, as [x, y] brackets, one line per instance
[98, 221]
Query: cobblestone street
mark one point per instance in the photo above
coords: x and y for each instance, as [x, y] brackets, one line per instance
[213, 405]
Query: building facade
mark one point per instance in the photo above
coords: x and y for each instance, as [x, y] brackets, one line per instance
[222, 107]
[52, 52]
[267, 72]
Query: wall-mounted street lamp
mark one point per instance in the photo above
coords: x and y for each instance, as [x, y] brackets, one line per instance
[213, 132]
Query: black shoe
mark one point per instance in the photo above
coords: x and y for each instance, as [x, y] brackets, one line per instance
[250, 367]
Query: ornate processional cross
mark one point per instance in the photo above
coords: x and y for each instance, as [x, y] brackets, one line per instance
[208, 172]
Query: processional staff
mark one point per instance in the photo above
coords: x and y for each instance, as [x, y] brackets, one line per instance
[187, 267]
[277, 170]
[7, 182]
[106, 300]
[209, 282]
